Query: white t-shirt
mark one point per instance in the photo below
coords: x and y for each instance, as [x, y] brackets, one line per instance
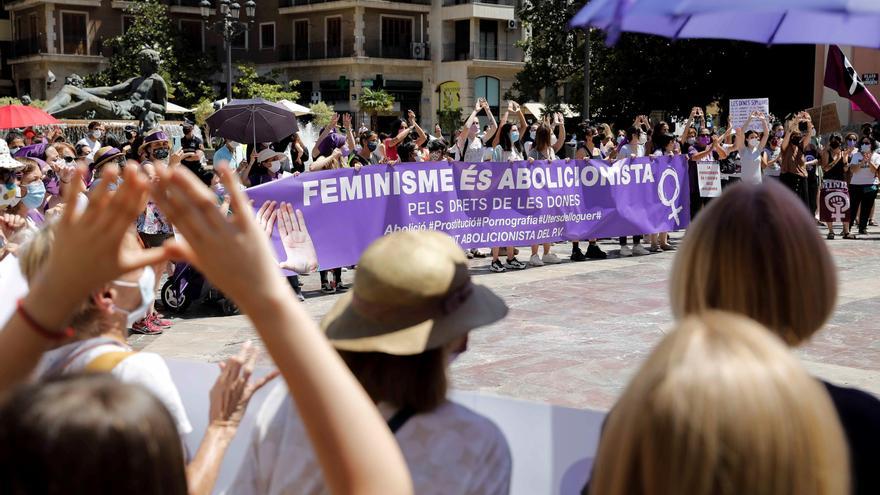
[93, 145]
[474, 151]
[863, 175]
[450, 451]
[750, 161]
[143, 368]
[503, 156]
[627, 151]
[536, 155]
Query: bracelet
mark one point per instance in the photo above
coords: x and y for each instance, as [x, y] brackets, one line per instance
[36, 327]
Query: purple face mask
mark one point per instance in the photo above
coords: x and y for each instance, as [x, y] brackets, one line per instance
[345, 151]
[704, 140]
[52, 185]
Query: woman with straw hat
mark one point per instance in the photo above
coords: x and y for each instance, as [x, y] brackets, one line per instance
[398, 330]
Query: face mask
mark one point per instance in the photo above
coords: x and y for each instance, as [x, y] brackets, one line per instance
[866, 148]
[9, 195]
[275, 166]
[345, 151]
[145, 284]
[834, 144]
[619, 139]
[532, 134]
[813, 132]
[219, 189]
[692, 140]
[436, 156]
[161, 153]
[514, 137]
[643, 138]
[96, 134]
[232, 144]
[705, 140]
[372, 145]
[14, 150]
[110, 187]
[51, 185]
[36, 194]
[753, 143]
[851, 142]
[780, 134]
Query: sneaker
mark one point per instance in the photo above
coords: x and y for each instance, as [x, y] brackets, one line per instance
[469, 254]
[863, 231]
[515, 264]
[655, 248]
[301, 297]
[341, 288]
[625, 251]
[158, 320]
[830, 236]
[639, 250]
[478, 254]
[595, 253]
[667, 247]
[872, 223]
[326, 288]
[535, 260]
[497, 267]
[551, 259]
[577, 255]
[146, 327]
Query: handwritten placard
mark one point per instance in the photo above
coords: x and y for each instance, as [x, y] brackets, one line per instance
[740, 109]
[709, 179]
[825, 118]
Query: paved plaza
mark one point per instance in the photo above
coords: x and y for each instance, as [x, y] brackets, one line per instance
[576, 332]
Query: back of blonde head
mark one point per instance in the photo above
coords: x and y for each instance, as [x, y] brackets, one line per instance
[722, 408]
[756, 251]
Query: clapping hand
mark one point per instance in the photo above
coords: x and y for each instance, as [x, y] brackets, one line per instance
[64, 172]
[410, 116]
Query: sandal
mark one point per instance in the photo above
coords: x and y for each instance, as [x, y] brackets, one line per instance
[849, 235]
[830, 236]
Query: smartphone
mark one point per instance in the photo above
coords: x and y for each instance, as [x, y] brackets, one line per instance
[802, 126]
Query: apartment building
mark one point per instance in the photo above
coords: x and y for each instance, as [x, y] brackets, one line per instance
[430, 54]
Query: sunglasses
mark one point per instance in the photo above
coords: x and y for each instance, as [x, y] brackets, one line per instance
[69, 159]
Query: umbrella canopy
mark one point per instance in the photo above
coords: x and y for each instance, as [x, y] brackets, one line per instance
[296, 108]
[844, 22]
[257, 120]
[174, 108]
[12, 116]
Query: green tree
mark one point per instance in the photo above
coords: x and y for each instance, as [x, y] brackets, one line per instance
[250, 84]
[449, 120]
[9, 100]
[322, 113]
[184, 70]
[376, 102]
[641, 73]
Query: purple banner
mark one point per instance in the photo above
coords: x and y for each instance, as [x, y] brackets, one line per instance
[479, 204]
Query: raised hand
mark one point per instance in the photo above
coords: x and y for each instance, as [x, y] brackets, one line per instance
[334, 120]
[233, 389]
[297, 243]
[346, 121]
[266, 217]
[410, 116]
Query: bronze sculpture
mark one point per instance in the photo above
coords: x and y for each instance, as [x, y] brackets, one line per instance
[139, 98]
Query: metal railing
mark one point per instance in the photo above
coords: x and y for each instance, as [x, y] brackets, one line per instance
[483, 51]
[25, 47]
[510, 3]
[409, 51]
[314, 51]
[299, 3]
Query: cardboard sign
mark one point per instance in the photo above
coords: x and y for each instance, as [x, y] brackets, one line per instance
[742, 108]
[834, 201]
[709, 179]
[825, 118]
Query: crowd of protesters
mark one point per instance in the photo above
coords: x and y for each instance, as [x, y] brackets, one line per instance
[720, 406]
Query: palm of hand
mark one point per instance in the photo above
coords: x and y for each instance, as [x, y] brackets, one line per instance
[300, 251]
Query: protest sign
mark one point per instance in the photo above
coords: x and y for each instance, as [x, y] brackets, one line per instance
[825, 118]
[483, 204]
[709, 179]
[834, 201]
[741, 109]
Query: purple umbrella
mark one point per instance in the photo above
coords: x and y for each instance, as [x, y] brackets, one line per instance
[253, 121]
[844, 22]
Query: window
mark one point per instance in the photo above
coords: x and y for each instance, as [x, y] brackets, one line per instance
[191, 31]
[396, 37]
[489, 88]
[74, 34]
[334, 37]
[488, 40]
[240, 41]
[267, 35]
[301, 40]
[127, 22]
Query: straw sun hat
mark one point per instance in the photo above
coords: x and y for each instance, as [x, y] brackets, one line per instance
[412, 293]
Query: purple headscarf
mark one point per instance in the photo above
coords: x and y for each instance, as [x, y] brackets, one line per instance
[33, 151]
[331, 142]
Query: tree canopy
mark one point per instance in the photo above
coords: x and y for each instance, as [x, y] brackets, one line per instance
[250, 84]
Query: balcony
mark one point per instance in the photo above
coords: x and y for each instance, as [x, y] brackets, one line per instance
[484, 51]
[411, 51]
[509, 3]
[314, 51]
[26, 47]
[300, 3]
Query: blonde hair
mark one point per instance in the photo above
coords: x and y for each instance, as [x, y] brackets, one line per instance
[721, 407]
[755, 251]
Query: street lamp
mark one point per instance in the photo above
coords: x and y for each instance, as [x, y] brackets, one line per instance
[228, 26]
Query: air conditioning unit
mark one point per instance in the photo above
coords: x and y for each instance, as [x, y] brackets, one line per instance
[418, 51]
[512, 25]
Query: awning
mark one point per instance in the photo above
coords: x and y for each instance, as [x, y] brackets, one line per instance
[296, 108]
[537, 110]
[176, 109]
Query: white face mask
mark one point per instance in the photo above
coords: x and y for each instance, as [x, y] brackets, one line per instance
[96, 134]
[643, 138]
[753, 143]
[866, 148]
[146, 285]
[532, 134]
[275, 166]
